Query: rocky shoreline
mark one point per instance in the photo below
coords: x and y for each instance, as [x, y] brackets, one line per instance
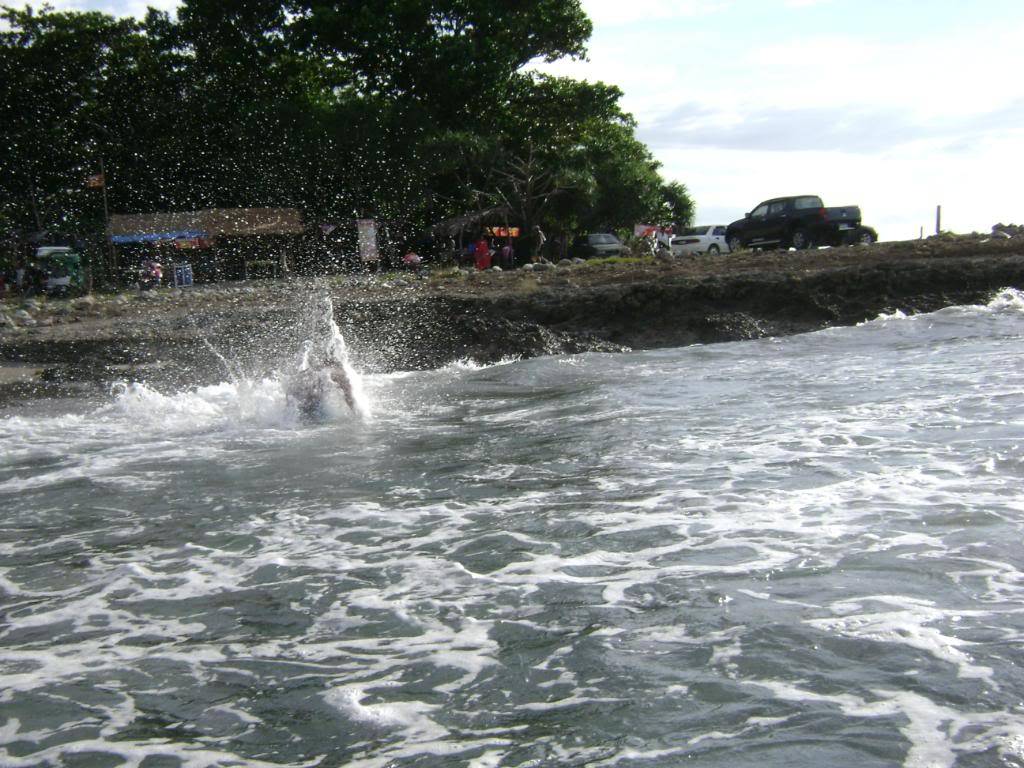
[206, 334]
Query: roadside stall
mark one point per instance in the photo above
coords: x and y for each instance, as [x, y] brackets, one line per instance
[212, 244]
[455, 233]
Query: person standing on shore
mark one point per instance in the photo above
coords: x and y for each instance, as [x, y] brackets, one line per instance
[538, 243]
[483, 253]
[506, 256]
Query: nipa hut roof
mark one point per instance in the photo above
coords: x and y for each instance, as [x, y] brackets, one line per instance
[456, 224]
[206, 223]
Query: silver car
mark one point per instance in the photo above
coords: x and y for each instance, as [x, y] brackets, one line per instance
[599, 244]
[696, 240]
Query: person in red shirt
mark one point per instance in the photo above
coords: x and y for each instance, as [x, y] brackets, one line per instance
[483, 254]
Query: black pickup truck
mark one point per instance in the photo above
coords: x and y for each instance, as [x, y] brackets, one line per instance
[798, 222]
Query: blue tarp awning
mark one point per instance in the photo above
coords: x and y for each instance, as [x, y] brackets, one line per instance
[152, 237]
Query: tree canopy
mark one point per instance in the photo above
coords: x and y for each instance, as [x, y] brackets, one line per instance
[410, 110]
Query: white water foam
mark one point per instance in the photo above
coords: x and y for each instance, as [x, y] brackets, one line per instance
[937, 734]
[908, 624]
[661, 539]
[1006, 301]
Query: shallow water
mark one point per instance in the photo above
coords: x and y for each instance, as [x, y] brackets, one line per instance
[793, 552]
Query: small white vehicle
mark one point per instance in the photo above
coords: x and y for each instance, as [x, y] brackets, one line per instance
[698, 240]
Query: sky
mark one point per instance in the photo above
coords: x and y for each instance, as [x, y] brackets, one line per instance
[898, 106]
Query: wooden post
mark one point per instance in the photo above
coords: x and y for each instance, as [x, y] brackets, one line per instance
[938, 220]
[106, 222]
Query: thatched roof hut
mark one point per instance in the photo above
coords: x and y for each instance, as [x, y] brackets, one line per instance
[211, 223]
[455, 226]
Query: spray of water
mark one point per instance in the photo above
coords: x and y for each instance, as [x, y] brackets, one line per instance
[316, 383]
[324, 372]
[233, 371]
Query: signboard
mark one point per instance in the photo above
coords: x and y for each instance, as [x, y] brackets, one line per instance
[367, 229]
[182, 275]
[662, 234]
[186, 243]
[152, 237]
[503, 231]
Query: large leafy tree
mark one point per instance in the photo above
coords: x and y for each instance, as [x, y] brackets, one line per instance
[563, 154]
[410, 110]
[253, 104]
[451, 56]
[56, 70]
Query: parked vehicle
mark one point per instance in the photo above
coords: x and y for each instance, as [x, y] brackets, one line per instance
[863, 235]
[598, 244]
[698, 240]
[61, 270]
[798, 222]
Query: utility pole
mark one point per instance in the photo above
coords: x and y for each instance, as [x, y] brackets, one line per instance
[34, 205]
[106, 222]
[103, 139]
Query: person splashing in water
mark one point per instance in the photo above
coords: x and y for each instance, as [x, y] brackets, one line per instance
[323, 368]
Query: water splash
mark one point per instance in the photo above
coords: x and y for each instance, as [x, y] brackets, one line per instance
[1009, 299]
[318, 383]
[242, 402]
[324, 372]
[234, 371]
[884, 317]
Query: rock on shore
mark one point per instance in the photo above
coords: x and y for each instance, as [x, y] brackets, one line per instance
[404, 321]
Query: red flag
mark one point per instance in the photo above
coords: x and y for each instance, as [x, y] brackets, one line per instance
[96, 181]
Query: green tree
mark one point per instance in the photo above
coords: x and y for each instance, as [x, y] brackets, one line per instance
[565, 156]
[408, 110]
[677, 206]
[451, 56]
[54, 70]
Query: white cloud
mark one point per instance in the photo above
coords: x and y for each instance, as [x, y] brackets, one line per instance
[943, 74]
[896, 123]
[858, 129]
[605, 13]
[136, 8]
[897, 190]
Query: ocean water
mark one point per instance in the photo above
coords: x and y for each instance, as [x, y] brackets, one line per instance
[803, 551]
